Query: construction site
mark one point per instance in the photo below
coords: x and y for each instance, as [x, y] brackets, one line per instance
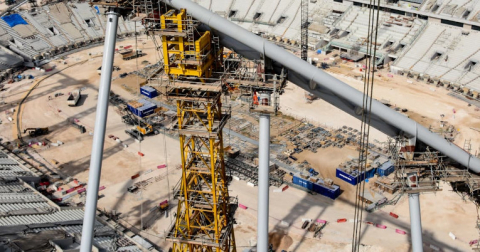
[224, 125]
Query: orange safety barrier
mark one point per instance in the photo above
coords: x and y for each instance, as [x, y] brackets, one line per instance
[341, 220]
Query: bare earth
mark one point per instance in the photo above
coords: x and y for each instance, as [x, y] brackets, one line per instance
[442, 212]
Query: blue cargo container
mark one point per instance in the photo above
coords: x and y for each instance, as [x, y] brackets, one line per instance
[148, 91]
[332, 192]
[385, 169]
[135, 110]
[132, 109]
[144, 102]
[303, 182]
[146, 110]
[353, 179]
[370, 173]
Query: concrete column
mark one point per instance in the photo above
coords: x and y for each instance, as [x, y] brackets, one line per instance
[99, 132]
[263, 183]
[415, 222]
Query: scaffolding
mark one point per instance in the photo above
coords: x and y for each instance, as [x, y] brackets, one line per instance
[252, 78]
[191, 51]
[427, 168]
[304, 29]
[204, 219]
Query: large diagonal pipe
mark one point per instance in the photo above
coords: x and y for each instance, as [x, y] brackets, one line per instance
[322, 84]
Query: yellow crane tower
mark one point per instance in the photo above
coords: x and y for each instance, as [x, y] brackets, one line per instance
[204, 220]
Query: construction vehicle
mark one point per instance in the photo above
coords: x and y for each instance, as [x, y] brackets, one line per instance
[144, 128]
[128, 54]
[135, 134]
[133, 189]
[33, 132]
[79, 127]
[163, 206]
[141, 129]
[73, 98]
[99, 70]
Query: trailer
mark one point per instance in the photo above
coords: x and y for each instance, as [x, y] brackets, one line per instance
[128, 54]
[81, 128]
[33, 132]
[73, 98]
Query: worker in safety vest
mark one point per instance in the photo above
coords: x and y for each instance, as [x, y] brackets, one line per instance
[255, 98]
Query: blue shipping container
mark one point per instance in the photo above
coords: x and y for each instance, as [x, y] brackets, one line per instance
[132, 109]
[148, 91]
[146, 110]
[144, 102]
[332, 193]
[303, 182]
[352, 179]
[386, 169]
[370, 173]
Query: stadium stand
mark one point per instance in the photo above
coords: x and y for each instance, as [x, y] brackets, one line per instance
[31, 221]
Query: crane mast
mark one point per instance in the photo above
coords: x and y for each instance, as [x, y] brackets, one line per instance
[304, 29]
[204, 220]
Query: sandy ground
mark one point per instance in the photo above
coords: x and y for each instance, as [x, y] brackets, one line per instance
[292, 206]
[119, 163]
[442, 213]
[419, 97]
[326, 162]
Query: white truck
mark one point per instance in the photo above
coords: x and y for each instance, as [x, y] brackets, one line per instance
[73, 98]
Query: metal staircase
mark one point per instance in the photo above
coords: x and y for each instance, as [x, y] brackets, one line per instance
[462, 62]
[428, 49]
[190, 46]
[82, 29]
[62, 31]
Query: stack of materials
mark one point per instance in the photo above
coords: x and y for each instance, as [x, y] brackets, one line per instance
[142, 107]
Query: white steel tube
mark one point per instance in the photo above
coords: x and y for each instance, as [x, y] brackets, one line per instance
[263, 182]
[322, 84]
[99, 133]
[415, 222]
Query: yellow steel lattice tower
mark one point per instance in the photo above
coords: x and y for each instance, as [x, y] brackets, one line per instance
[204, 220]
[189, 52]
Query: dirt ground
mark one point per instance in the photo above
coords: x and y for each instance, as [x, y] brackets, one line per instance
[426, 100]
[119, 163]
[326, 162]
[291, 206]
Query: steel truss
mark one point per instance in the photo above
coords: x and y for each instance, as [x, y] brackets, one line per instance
[204, 219]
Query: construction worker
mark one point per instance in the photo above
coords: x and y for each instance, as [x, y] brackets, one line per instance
[255, 98]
